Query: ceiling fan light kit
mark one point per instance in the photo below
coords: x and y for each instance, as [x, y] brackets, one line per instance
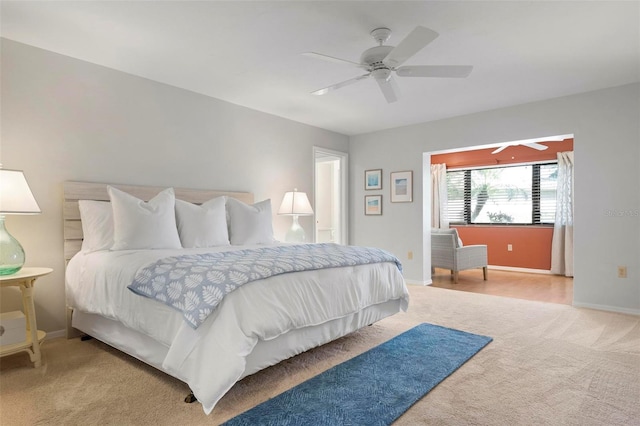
[381, 61]
[381, 74]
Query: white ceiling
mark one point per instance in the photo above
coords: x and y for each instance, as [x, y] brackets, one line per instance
[249, 53]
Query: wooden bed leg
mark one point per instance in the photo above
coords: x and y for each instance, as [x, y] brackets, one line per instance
[485, 272]
[191, 398]
[71, 332]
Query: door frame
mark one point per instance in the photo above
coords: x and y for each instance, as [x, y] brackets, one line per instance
[319, 152]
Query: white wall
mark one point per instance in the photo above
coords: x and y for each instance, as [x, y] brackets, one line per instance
[64, 119]
[607, 153]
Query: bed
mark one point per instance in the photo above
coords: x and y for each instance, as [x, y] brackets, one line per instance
[257, 324]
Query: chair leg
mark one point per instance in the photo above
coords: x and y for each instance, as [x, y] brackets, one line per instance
[455, 277]
[485, 272]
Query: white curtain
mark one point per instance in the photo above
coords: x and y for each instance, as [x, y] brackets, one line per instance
[439, 196]
[562, 242]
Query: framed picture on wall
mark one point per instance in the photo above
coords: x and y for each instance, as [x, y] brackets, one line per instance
[402, 187]
[372, 205]
[373, 179]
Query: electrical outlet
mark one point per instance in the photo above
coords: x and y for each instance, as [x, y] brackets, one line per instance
[622, 272]
[410, 255]
[509, 247]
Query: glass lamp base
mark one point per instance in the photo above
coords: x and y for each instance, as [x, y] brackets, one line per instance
[10, 269]
[11, 252]
[296, 234]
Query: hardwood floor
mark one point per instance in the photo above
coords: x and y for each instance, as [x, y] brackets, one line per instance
[518, 285]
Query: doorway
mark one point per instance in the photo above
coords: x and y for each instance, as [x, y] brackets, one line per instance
[330, 196]
[516, 270]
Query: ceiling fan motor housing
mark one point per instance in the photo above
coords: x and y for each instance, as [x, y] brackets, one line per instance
[373, 57]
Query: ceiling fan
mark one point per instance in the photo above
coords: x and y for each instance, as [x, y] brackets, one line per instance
[381, 61]
[533, 143]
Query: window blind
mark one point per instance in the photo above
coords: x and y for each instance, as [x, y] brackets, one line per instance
[515, 194]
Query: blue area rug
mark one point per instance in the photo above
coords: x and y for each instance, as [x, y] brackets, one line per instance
[374, 388]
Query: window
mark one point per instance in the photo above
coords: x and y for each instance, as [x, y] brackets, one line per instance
[522, 194]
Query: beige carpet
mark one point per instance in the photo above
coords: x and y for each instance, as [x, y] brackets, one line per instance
[548, 365]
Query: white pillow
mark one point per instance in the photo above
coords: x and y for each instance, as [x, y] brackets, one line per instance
[144, 225]
[97, 225]
[250, 224]
[202, 225]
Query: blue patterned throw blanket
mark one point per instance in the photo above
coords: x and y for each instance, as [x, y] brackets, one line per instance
[195, 284]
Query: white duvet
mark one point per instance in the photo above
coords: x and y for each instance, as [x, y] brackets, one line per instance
[212, 357]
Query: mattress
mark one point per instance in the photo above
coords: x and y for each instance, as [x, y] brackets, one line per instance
[212, 357]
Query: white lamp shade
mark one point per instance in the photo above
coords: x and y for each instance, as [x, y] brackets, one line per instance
[15, 195]
[295, 203]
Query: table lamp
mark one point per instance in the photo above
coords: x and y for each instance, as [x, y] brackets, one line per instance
[295, 204]
[15, 198]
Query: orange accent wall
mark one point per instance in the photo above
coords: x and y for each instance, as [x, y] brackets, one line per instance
[531, 244]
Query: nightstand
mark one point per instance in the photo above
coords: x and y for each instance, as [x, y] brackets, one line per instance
[25, 279]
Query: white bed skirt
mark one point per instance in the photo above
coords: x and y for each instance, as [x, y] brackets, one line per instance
[264, 354]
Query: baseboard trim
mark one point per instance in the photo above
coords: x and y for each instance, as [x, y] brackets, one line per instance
[515, 269]
[616, 309]
[416, 282]
[55, 334]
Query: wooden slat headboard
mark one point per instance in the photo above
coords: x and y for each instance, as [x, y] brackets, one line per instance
[74, 191]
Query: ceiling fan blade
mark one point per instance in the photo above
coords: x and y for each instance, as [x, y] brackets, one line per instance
[389, 88]
[412, 44]
[339, 85]
[500, 149]
[332, 59]
[533, 145]
[537, 146]
[447, 71]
